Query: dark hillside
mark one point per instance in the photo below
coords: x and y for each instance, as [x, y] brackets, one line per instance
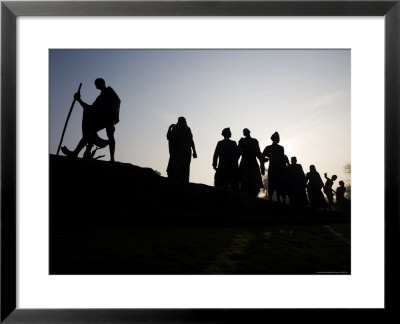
[99, 193]
[117, 218]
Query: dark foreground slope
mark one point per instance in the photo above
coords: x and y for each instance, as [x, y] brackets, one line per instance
[116, 218]
[99, 193]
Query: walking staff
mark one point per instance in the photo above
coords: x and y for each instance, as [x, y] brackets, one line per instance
[66, 122]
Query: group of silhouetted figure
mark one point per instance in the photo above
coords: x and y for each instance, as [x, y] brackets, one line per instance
[284, 179]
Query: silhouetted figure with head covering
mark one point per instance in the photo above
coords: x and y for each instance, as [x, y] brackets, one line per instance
[181, 145]
[225, 162]
[250, 176]
[296, 183]
[103, 113]
[342, 203]
[277, 170]
[328, 189]
[314, 186]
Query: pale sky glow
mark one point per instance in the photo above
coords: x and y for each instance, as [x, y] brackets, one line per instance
[302, 94]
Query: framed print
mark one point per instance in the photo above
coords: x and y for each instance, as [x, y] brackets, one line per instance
[118, 203]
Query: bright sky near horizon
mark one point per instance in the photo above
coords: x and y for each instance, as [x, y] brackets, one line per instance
[302, 94]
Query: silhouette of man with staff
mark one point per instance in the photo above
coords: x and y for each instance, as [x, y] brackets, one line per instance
[103, 113]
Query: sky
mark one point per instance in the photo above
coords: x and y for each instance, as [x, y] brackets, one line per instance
[304, 95]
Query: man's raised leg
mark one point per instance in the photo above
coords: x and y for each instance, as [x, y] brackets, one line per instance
[82, 143]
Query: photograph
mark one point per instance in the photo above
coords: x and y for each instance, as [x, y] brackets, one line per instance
[199, 161]
[191, 161]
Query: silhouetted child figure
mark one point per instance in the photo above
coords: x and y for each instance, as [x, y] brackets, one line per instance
[314, 186]
[225, 162]
[181, 145]
[277, 170]
[342, 203]
[328, 189]
[296, 183]
[103, 113]
[250, 171]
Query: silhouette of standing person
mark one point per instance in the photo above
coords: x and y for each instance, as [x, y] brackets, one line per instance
[181, 145]
[225, 162]
[342, 203]
[250, 176]
[328, 189]
[296, 182]
[103, 113]
[277, 170]
[314, 186]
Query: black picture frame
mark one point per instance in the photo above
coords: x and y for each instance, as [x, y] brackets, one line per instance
[10, 10]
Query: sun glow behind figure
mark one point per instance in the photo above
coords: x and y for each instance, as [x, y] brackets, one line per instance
[302, 94]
